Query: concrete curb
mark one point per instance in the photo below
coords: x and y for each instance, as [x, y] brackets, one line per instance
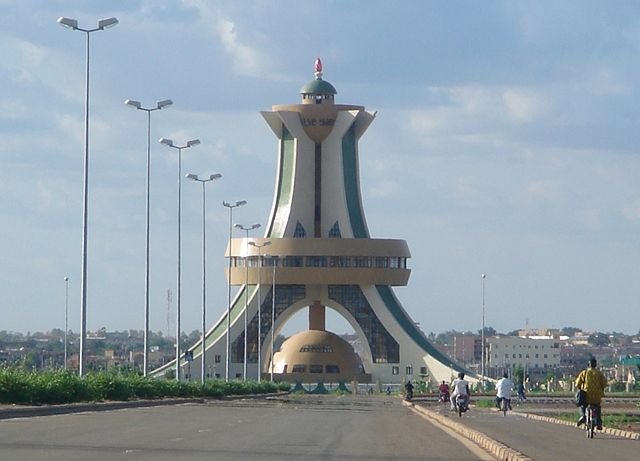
[497, 449]
[47, 410]
[18, 411]
[606, 430]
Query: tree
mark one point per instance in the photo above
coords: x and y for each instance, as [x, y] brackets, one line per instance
[599, 339]
[488, 331]
[569, 331]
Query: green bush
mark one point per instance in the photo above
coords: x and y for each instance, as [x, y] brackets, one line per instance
[60, 386]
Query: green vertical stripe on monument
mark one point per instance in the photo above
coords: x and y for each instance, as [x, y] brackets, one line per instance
[351, 184]
[284, 191]
[412, 330]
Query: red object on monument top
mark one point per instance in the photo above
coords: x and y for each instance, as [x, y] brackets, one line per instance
[318, 65]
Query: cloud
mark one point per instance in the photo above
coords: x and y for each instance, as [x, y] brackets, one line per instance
[13, 109]
[632, 212]
[520, 107]
[246, 59]
[543, 188]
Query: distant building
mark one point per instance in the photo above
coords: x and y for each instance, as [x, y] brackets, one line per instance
[536, 355]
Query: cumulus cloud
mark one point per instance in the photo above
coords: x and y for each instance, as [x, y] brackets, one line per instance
[542, 188]
[246, 59]
[632, 212]
[520, 106]
[13, 109]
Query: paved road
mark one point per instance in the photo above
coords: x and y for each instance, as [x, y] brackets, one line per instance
[544, 441]
[308, 428]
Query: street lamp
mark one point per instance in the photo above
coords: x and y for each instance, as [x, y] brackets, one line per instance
[73, 24]
[246, 282]
[204, 181]
[482, 335]
[231, 206]
[66, 318]
[138, 105]
[274, 262]
[169, 142]
[259, 247]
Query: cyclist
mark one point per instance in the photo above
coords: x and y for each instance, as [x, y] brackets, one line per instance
[460, 386]
[503, 388]
[593, 382]
[444, 392]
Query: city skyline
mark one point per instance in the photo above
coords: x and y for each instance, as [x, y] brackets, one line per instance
[504, 145]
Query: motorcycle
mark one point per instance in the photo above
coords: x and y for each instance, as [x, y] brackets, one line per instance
[462, 404]
[444, 397]
[409, 395]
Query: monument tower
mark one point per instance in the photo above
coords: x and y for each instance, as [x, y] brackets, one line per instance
[320, 254]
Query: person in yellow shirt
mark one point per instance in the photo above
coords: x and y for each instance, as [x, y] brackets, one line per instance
[593, 382]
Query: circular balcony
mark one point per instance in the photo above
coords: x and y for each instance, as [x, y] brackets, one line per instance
[319, 261]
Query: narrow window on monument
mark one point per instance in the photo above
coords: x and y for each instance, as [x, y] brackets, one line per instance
[217, 358]
[299, 232]
[395, 370]
[423, 370]
[334, 232]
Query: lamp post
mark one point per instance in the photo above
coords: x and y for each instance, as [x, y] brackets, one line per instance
[66, 318]
[204, 181]
[73, 24]
[274, 262]
[231, 206]
[138, 105]
[246, 282]
[482, 335]
[259, 247]
[169, 142]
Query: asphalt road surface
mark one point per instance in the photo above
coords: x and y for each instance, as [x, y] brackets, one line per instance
[298, 428]
[545, 441]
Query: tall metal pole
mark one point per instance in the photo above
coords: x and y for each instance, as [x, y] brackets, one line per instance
[246, 285]
[204, 271]
[228, 339]
[137, 105]
[73, 24]
[273, 312]
[169, 143]
[482, 336]
[231, 206]
[259, 338]
[66, 318]
[178, 268]
[145, 354]
[204, 286]
[85, 218]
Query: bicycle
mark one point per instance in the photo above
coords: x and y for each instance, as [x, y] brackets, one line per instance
[504, 406]
[590, 423]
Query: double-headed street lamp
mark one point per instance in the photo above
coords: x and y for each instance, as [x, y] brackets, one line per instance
[73, 24]
[138, 105]
[66, 318]
[274, 261]
[259, 247]
[231, 206]
[482, 355]
[204, 181]
[246, 284]
[169, 142]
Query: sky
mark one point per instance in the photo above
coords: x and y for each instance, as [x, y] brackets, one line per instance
[505, 143]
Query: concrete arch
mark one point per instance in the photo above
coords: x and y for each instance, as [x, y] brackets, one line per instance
[296, 307]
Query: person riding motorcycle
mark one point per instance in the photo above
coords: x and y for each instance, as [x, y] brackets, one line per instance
[503, 390]
[460, 387]
[444, 392]
[593, 382]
